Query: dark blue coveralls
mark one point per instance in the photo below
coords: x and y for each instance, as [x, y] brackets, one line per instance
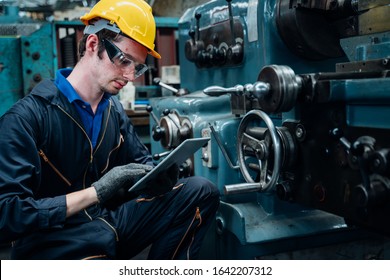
[45, 154]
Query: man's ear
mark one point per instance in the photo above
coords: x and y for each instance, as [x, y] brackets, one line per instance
[92, 43]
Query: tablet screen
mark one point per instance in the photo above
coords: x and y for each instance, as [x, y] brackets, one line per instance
[186, 149]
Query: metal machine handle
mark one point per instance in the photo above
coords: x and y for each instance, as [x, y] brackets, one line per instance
[220, 145]
[242, 188]
[218, 91]
[257, 90]
[158, 82]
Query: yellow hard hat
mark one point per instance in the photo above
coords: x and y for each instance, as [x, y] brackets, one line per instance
[134, 18]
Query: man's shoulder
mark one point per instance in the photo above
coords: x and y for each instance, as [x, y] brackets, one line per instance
[30, 104]
[115, 101]
[116, 106]
[46, 89]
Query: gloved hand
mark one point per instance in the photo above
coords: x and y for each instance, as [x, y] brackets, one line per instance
[164, 182]
[118, 177]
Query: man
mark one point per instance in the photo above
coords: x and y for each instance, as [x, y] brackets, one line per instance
[68, 147]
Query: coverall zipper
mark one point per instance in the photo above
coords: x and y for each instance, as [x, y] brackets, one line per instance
[91, 158]
[121, 140]
[95, 257]
[197, 216]
[42, 154]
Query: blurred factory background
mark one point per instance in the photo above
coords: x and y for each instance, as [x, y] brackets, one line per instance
[294, 95]
[38, 37]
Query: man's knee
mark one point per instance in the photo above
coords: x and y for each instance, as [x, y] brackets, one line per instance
[201, 183]
[204, 187]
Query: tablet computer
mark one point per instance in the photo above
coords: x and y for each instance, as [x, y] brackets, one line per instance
[186, 149]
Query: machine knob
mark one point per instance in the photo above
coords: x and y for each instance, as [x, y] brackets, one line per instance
[218, 56]
[357, 149]
[380, 161]
[192, 47]
[166, 112]
[185, 169]
[203, 59]
[377, 194]
[284, 191]
[192, 33]
[158, 133]
[235, 53]
[149, 109]
[198, 15]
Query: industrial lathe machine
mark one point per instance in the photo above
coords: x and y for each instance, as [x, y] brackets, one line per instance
[295, 97]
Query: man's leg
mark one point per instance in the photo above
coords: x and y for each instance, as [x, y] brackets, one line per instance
[175, 223]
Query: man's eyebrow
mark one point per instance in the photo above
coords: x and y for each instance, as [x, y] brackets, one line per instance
[129, 56]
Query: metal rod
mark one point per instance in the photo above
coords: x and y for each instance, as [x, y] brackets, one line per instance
[242, 188]
[220, 145]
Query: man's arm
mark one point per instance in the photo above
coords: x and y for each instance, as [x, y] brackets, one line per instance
[80, 200]
[105, 187]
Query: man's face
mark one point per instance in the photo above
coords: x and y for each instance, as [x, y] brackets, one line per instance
[126, 57]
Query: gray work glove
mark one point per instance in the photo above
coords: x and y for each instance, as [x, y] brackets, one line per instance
[118, 177]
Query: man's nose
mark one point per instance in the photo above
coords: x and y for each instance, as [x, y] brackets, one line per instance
[129, 75]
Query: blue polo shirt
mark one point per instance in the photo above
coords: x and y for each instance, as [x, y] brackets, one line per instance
[92, 122]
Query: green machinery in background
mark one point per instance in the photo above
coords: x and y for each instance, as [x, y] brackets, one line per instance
[26, 55]
[32, 50]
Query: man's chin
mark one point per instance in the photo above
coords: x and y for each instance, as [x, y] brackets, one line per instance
[113, 91]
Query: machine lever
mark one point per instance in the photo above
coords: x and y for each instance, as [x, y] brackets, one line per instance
[219, 142]
[163, 154]
[231, 22]
[197, 17]
[218, 91]
[158, 82]
[242, 188]
[158, 132]
[149, 109]
[257, 90]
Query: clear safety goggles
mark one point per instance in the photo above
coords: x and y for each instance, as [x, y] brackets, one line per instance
[122, 61]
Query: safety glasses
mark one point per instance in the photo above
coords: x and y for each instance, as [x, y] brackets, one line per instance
[120, 59]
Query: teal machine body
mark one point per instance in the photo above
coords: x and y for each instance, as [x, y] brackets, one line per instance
[295, 96]
[26, 55]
